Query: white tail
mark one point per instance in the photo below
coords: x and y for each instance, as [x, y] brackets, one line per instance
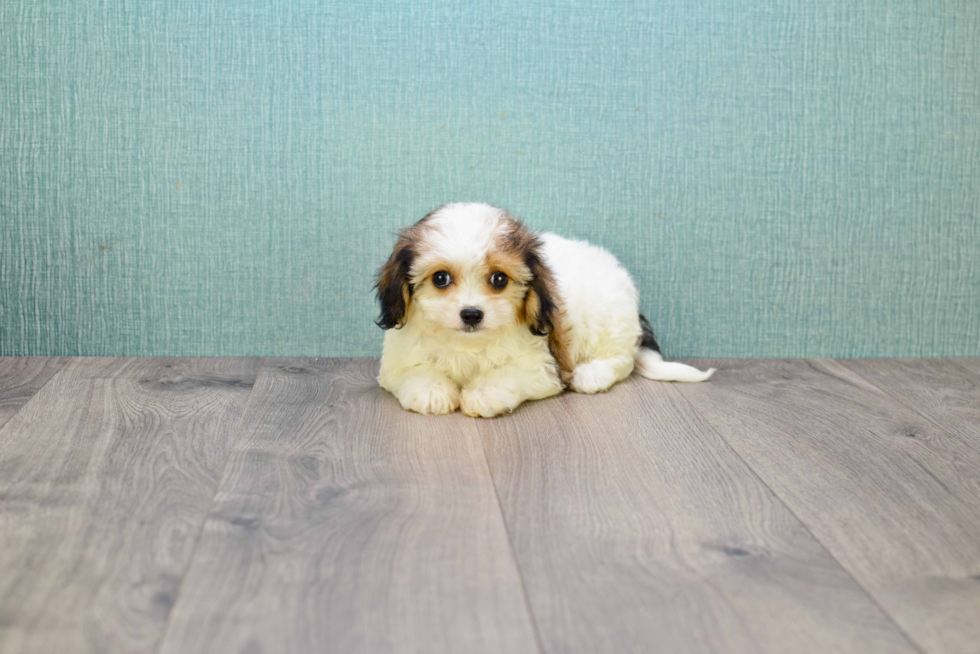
[651, 365]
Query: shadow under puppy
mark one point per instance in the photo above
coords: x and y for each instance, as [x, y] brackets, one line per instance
[487, 314]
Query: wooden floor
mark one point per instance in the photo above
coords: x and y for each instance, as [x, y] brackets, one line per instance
[249, 506]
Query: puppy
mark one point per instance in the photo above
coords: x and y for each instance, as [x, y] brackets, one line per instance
[482, 314]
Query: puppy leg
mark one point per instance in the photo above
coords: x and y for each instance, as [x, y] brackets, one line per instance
[504, 389]
[427, 392]
[600, 374]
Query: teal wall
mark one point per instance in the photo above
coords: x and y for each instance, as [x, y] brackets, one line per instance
[783, 177]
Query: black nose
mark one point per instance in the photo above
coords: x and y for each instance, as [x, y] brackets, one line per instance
[471, 316]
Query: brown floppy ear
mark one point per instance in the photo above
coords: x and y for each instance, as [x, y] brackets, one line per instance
[540, 306]
[394, 289]
[543, 310]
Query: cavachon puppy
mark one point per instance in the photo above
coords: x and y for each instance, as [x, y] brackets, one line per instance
[482, 314]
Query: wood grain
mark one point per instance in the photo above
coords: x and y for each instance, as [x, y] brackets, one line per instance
[637, 529]
[970, 363]
[942, 390]
[106, 475]
[21, 378]
[346, 524]
[892, 496]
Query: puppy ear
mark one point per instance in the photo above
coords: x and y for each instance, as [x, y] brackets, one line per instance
[540, 305]
[394, 289]
[543, 310]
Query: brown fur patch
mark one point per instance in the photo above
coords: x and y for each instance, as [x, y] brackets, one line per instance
[543, 310]
[558, 344]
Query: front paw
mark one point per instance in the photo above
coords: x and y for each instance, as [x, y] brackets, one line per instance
[429, 397]
[487, 401]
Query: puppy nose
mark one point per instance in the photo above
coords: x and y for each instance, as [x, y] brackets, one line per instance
[471, 316]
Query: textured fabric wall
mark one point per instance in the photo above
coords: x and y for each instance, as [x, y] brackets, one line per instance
[784, 178]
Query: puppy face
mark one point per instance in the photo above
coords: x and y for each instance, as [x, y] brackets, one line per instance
[480, 295]
[467, 269]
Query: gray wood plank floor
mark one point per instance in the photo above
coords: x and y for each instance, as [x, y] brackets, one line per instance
[21, 378]
[346, 524]
[894, 497]
[943, 390]
[168, 505]
[106, 476]
[634, 524]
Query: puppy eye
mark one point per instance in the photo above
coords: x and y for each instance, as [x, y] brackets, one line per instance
[498, 280]
[441, 279]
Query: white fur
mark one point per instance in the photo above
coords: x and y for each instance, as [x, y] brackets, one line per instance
[432, 366]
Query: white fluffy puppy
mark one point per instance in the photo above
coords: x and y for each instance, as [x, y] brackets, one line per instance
[487, 314]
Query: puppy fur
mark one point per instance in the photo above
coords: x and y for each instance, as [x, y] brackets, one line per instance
[566, 316]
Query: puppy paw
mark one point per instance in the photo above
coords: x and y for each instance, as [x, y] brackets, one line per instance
[428, 396]
[487, 401]
[593, 377]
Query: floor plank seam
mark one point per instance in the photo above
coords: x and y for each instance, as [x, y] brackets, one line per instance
[916, 411]
[510, 545]
[60, 370]
[207, 514]
[915, 645]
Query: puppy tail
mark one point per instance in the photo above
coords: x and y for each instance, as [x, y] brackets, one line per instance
[650, 364]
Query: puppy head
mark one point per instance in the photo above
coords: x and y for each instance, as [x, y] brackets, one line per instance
[468, 270]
